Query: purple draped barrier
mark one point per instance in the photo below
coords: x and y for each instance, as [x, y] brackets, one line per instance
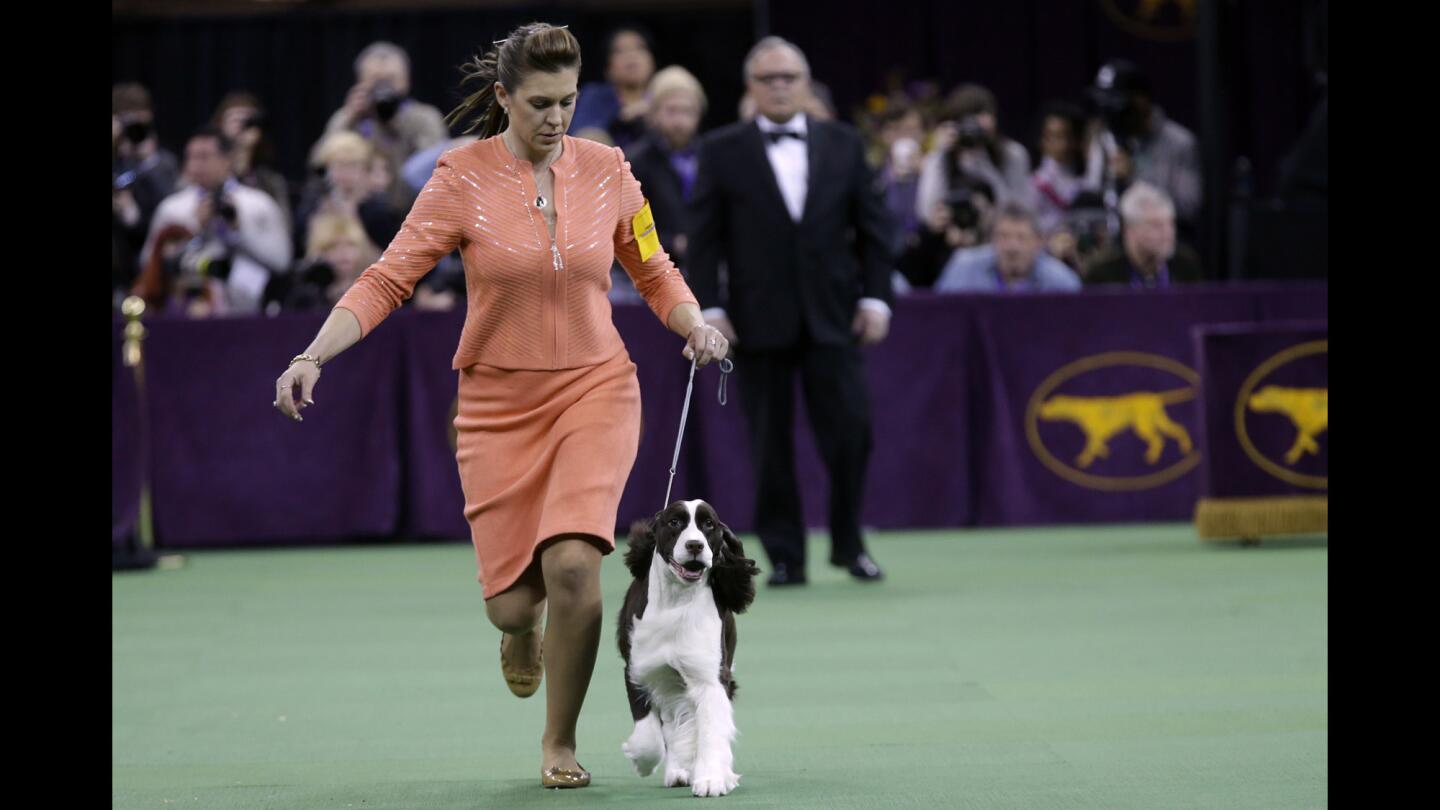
[1265, 428]
[1087, 412]
[433, 505]
[228, 469]
[988, 410]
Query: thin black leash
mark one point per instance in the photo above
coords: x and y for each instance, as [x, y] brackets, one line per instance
[725, 368]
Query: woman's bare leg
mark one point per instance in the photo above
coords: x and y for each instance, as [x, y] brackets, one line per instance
[571, 568]
[516, 611]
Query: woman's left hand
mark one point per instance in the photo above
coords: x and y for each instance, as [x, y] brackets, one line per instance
[705, 345]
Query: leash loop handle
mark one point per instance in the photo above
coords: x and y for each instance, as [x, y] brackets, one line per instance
[726, 366]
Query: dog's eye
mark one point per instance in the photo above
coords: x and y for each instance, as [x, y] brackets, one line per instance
[674, 523]
[707, 524]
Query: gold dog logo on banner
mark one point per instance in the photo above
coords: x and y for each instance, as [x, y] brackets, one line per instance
[1308, 410]
[1101, 419]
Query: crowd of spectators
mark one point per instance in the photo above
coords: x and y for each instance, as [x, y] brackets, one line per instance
[1102, 188]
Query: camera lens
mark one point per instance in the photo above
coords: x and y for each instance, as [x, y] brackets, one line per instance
[386, 100]
[137, 131]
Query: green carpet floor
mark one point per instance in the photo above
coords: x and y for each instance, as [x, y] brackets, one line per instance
[1098, 667]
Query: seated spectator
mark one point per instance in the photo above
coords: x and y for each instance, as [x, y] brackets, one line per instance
[613, 111]
[1061, 176]
[1012, 262]
[380, 110]
[141, 175]
[353, 186]
[963, 220]
[970, 146]
[1149, 256]
[238, 237]
[242, 118]
[1136, 141]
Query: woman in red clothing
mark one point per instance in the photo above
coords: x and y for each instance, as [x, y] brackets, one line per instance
[549, 417]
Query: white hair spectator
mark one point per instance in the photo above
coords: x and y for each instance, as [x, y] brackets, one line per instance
[676, 79]
[382, 50]
[770, 42]
[1142, 199]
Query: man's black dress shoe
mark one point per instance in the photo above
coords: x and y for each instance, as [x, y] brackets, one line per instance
[865, 569]
[784, 576]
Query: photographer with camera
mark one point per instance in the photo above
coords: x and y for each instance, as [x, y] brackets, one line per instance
[1012, 262]
[242, 118]
[141, 175]
[962, 220]
[1136, 141]
[969, 147]
[239, 237]
[380, 110]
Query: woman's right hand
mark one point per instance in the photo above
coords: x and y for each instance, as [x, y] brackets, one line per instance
[302, 375]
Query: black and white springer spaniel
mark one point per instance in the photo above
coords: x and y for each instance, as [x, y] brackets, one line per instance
[677, 636]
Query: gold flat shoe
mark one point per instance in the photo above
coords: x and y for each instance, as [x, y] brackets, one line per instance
[523, 682]
[564, 777]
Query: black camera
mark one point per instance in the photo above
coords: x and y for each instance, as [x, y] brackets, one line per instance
[1118, 113]
[225, 209]
[971, 134]
[964, 204]
[1088, 220]
[137, 131]
[304, 290]
[386, 100]
[193, 267]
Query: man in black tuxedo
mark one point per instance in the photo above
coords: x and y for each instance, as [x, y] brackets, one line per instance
[786, 202]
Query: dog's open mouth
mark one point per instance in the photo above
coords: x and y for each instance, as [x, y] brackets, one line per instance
[690, 571]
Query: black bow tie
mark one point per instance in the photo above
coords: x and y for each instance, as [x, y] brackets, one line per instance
[777, 135]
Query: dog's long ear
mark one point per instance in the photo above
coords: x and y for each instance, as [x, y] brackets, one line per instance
[732, 576]
[642, 547]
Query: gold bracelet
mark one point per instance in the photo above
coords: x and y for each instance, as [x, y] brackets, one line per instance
[312, 358]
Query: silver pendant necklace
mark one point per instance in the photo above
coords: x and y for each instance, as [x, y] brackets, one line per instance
[540, 201]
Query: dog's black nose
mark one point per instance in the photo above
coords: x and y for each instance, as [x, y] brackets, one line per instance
[694, 546]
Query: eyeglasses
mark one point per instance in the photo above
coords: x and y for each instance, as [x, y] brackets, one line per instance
[782, 78]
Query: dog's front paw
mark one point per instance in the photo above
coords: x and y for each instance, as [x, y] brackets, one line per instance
[643, 761]
[715, 784]
[646, 746]
[676, 777]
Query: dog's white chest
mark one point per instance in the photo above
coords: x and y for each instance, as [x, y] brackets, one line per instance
[683, 638]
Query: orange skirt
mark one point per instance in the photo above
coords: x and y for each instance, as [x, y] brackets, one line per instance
[543, 453]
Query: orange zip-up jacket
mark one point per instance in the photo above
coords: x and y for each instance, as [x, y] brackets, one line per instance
[534, 302]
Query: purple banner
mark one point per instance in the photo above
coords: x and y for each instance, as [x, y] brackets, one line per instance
[1266, 396]
[1088, 413]
[987, 409]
